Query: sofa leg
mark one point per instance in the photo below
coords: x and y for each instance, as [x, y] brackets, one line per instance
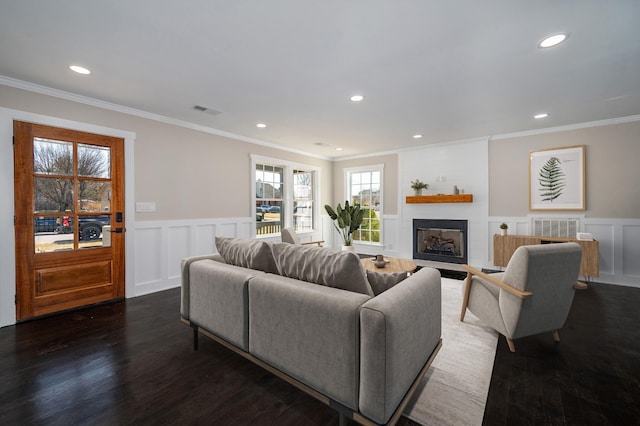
[343, 419]
[195, 338]
[555, 335]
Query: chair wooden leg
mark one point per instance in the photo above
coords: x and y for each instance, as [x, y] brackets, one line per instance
[556, 336]
[512, 347]
[465, 297]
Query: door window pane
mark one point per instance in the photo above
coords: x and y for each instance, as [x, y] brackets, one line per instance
[94, 161]
[52, 157]
[92, 230]
[95, 196]
[53, 195]
[53, 233]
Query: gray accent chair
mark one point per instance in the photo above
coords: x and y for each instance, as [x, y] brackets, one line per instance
[289, 235]
[533, 295]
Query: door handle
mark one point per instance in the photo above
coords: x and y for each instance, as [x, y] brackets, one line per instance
[117, 231]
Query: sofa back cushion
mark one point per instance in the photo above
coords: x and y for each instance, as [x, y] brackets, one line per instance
[324, 266]
[252, 254]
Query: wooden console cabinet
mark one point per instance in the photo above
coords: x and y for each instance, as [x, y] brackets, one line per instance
[505, 245]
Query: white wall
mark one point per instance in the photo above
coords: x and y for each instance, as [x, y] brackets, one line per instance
[464, 164]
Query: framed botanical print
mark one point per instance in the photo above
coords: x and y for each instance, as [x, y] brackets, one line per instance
[557, 179]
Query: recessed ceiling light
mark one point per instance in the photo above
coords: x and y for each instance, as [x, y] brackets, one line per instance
[543, 115]
[261, 125]
[79, 69]
[417, 136]
[553, 40]
[338, 149]
[356, 98]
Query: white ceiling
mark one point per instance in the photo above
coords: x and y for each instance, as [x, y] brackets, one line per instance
[450, 70]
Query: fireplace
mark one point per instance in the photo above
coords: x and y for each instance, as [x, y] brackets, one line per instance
[440, 240]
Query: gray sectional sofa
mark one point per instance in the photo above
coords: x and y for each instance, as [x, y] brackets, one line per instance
[309, 315]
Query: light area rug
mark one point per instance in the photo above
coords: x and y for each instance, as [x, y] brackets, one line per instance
[454, 390]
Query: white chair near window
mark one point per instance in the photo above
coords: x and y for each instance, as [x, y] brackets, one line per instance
[290, 236]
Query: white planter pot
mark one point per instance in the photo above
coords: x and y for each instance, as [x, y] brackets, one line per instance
[348, 248]
[503, 232]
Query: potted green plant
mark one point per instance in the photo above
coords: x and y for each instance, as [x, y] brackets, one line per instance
[417, 186]
[346, 220]
[503, 228]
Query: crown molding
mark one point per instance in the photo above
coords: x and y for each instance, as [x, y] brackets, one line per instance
[368, 155]
[607, 122]
[61, 94]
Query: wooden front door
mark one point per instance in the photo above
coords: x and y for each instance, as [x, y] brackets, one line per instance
[69, 219]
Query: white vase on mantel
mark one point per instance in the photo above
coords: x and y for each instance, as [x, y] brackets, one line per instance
[348, 248]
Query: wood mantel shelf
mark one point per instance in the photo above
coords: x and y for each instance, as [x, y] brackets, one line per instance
[458, 198]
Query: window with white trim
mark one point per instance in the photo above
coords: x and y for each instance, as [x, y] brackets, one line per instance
[285, 195]
[303, 200]
[364, 187]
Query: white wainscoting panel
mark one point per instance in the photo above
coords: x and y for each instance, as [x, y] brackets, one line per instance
[178, 247]
[204, 236]
[148, 255]
[161, 246]
[228, 230]
[631, 250]
[605, 234]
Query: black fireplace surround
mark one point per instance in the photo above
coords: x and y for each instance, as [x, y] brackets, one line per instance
[440, 240]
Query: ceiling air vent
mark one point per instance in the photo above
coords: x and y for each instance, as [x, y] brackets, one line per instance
[207, 110]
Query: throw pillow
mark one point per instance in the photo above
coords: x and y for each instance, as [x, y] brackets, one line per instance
[324, 266]
[253, 254]
[381, 281]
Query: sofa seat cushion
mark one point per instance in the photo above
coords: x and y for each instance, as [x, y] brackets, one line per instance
[324, 266]
[252, 254]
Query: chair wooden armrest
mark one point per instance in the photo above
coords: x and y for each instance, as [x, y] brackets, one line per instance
[516, 292]
[319, 243]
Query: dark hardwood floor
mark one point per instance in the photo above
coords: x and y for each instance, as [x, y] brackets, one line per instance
[132, 363]
[592, 377]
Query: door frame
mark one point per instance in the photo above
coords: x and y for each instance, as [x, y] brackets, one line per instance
[7, 237]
